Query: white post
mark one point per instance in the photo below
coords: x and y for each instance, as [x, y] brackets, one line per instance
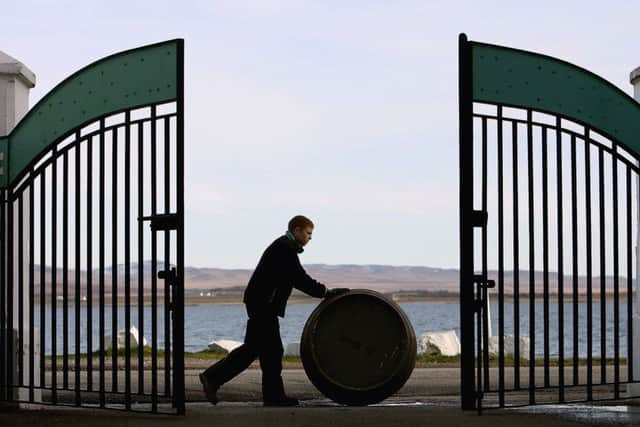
[15, 82]
[634, 389]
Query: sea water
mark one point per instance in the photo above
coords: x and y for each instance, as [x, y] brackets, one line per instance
[205, 323]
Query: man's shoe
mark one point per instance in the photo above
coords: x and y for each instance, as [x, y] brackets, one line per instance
[210, 389]
[281, 401]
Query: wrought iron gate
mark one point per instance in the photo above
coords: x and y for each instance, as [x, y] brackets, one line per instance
[548, 185]
[92, 208]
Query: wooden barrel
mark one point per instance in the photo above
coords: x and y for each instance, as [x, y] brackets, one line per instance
[358, 348]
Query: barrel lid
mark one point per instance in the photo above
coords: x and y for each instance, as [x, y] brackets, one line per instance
[358, 346]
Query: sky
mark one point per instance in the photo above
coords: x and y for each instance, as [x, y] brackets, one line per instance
[346, 112]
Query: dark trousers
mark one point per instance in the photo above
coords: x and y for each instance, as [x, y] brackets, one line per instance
[262, 340]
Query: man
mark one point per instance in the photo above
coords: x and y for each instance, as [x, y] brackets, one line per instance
[278, 271]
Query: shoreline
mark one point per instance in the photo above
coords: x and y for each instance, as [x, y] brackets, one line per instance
[204, 358]
[398, 297]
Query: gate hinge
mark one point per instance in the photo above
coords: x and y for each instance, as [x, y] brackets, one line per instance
[479, 397]
[161, 221]
[479, 218]
[171, 277]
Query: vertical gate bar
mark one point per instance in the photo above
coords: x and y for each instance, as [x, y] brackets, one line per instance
[21, 288]
[484, 292]
[78, 256]
[479, 340]
[560, 230]
[467, 299]
[89, 285]
[500, 263]
[65, 270]
[43, 334]
[616, 283]
[4, 309]
[178, 314]
[516, 260]
[587, 173]
[574, 260]
[167, 263]
[114, 261]
[54, 267]
[140, 255]
[154, 267]
[629, 280]
[127, 262]
[8, 333]
[4, 337]
[545, 256]
[532, 277]
[603, 288]
[101, 289]
[32, 343]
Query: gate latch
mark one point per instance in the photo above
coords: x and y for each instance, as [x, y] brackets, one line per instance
[479, 280]
[161, 221]
[479, 218]
[482, 283]
[171, 277]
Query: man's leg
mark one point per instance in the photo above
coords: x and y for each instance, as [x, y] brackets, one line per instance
[229, 367]
[233, 364]
[270, 353]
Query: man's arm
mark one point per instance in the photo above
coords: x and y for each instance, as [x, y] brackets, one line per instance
[305, 283]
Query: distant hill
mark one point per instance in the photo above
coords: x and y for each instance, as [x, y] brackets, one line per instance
[378, 277]
[384, 278]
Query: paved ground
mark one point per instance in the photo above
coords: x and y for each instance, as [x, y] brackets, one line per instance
[424, 384]
[430, 397]
[325, 414]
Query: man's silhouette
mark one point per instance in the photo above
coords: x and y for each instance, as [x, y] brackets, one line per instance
[278, 272]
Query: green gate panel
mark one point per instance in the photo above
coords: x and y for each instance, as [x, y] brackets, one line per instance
[4, 155]
[539, 82]
[119, 82]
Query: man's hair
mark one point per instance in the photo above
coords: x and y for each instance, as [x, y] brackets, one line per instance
[299, 221]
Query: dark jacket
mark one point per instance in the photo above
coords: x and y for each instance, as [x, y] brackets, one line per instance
[277, 273]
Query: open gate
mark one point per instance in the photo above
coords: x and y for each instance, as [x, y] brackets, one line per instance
[92, 214]
[548, 186]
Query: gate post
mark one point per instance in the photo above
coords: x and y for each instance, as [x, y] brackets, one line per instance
[467, 325]
[16, 80]
[634, 389]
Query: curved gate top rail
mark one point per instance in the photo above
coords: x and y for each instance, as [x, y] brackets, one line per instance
[136, 77]
[519, 78]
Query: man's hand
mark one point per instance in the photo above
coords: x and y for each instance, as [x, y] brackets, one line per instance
[331, 293]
